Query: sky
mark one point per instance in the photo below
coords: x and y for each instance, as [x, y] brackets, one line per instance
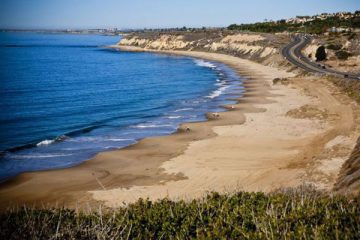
[61, 14]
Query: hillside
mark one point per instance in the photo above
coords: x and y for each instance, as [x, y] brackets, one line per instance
[317, 24]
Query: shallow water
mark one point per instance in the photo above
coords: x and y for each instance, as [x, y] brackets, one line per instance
[65, 98]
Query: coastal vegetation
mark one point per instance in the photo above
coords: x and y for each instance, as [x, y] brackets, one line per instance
[342, 55]
[301, 213]
[315, 26]
[333, 46]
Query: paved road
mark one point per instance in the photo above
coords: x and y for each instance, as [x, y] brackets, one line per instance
[293, 54]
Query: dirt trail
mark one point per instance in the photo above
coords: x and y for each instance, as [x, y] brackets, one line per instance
[324, 154]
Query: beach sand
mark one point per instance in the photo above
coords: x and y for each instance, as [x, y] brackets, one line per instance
[278, 135]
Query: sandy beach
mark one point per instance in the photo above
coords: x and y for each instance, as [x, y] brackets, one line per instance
[299, 130]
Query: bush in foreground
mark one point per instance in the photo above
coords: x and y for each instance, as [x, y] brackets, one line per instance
[294, 214]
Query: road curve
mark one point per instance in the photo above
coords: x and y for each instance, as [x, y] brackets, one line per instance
[293, 53]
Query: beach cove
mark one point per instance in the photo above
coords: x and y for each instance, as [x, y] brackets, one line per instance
[263, 143]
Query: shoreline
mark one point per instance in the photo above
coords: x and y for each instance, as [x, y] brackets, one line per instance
[147, 168]
[221, 104]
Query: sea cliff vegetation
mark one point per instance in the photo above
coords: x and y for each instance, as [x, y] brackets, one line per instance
[301, 213]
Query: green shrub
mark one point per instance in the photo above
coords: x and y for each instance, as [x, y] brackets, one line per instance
[294, 214]
[334, 46]
[342, 55]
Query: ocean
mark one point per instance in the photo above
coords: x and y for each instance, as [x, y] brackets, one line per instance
[65, 98]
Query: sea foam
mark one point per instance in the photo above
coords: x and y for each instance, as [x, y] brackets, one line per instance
[152, 125]
[183, 109]
[26, 156]
[203, 63]
[45, 143]
[174, 117]
[222, 87]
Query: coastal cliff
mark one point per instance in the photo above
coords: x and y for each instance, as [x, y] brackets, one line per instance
[263, 48]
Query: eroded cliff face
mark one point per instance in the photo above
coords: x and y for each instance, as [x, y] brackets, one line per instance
[164, 42]
[258, 47]
[349, 177]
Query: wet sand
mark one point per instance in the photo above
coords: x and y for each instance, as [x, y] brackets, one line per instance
[262, 143]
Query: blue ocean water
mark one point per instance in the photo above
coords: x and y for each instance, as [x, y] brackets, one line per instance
[65, 98]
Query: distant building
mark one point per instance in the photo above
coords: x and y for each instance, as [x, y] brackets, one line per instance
[300, 19]
[322, 16]
[339, 29]
[112, 30]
